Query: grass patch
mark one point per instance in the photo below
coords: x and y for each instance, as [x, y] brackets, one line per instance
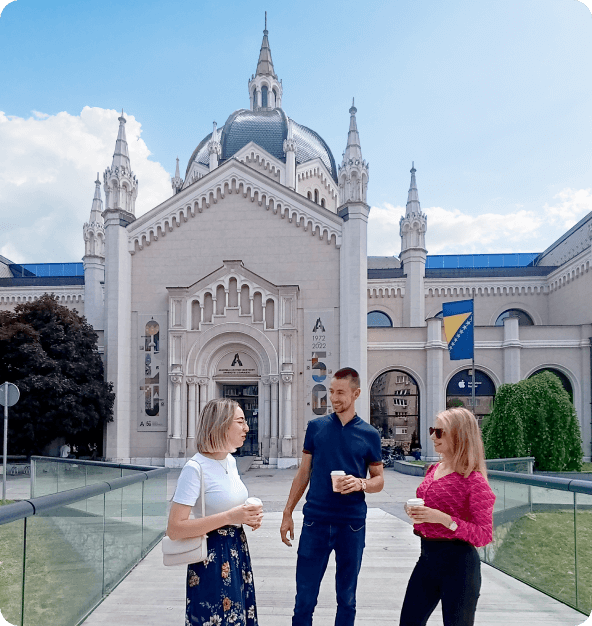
[419, 462]
[539, 549]
[586, 467]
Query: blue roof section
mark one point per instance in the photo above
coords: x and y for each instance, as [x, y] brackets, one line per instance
[46, 269]
[466, 261]
[41, 281]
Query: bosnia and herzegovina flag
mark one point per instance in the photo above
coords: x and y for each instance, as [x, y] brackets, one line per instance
[458, 327]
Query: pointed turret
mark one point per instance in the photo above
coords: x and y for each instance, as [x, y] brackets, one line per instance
[94, 229]
[121, 154]
[119, 182]
[177, 181]
[412, 228]
[353, 171]
[413, 197]
[214, 148]
[290, 149]
[265, 89]
[94, 261]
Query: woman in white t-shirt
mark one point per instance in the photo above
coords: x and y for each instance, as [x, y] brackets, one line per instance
[220, 590]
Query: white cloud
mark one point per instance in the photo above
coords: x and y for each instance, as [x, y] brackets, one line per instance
[48, 165]
[451, 231]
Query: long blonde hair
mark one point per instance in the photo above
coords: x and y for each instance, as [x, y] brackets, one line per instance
[468, 454]
[213, 424]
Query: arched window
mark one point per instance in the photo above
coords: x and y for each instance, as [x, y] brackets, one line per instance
[323, 202]
[378, 319]
[459, 392]
[275, 97]
[316, 196]
[562, 377]
[394, 409]
[254, 98]
[524, 318]
[264, 96]
[309, 195]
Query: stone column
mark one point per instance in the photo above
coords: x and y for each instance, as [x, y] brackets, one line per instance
[203, 393]
[353, 300]
[287, 378]
[273, 442]
[511, 347]
[192, 406]
[265, 412]
[176, 380]
[435, 392]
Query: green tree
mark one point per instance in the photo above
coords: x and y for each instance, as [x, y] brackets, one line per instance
[535, 417]
[51, 354]
[503, 428]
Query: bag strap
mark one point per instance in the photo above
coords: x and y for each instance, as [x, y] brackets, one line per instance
[203, 491]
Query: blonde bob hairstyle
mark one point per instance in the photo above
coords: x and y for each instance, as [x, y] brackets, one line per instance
[214, 422]
[468, 455]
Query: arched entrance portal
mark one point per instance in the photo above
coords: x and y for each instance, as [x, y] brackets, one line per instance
[459, 392]
[394, 408]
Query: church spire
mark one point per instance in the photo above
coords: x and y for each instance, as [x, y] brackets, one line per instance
[265, 89]
[353, 171]
[94, 229]
[265, 64]
[353, 149]
[121, 154]
[96, 211]
[177, 181]
[119, 182]
[413, 206]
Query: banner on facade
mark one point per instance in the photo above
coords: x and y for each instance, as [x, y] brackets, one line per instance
[320, 356]
[152, 368]
[458, 328]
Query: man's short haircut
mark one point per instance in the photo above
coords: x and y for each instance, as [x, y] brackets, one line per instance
[348, 373]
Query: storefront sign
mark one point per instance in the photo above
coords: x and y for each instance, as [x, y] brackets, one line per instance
[237, 365]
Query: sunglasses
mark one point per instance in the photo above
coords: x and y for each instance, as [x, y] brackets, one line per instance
[438, 431]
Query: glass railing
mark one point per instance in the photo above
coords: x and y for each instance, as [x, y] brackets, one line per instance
[521, 465]
[61, 553]
[543, 534]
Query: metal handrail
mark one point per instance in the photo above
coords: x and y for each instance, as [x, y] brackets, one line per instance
[549, 482]
[27, 508]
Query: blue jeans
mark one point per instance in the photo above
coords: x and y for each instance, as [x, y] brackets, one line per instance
[317, 541]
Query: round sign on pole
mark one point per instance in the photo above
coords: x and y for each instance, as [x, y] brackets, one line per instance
[13, 394]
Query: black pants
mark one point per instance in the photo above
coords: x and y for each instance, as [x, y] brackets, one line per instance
[449, 571]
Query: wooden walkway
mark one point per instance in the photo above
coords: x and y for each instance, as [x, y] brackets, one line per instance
[153, 595]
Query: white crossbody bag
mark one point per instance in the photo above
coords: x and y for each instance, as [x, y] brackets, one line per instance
[192, 549]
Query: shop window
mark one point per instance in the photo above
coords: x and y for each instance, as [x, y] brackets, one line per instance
[459, 392]
[394, 409]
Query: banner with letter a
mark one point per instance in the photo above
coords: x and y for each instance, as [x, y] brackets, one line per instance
[458, 327]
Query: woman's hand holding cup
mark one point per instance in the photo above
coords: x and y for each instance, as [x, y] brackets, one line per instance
[254, 507]
[411, 506]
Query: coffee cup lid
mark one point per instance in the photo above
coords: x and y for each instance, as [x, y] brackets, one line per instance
[337, 473]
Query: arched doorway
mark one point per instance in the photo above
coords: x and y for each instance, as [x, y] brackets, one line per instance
[394, 408]
[237, 377]
[562, 377]
[459, 392]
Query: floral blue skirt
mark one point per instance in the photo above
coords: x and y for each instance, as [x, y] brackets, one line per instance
[220, 591]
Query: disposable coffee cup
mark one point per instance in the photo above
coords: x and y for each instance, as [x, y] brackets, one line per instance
[255, 501]
[335, 476]
[415, 502]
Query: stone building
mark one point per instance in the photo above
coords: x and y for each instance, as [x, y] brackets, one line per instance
[252, 281]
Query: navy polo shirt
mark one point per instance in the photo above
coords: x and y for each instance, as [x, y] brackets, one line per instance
[351, 448]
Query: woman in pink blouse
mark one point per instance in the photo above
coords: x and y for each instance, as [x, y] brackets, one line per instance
[457, 517]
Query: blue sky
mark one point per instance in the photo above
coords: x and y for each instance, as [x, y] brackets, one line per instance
[490, 99]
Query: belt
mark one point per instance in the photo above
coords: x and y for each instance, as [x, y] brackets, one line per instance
[440, 539]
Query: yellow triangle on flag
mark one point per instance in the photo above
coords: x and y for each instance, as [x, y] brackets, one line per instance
[452, 323]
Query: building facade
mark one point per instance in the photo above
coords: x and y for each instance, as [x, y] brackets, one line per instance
[252, 281]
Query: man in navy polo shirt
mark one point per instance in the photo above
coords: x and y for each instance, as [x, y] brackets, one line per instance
[333, 520]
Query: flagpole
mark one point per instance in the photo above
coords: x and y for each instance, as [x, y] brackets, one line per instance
[473, 359]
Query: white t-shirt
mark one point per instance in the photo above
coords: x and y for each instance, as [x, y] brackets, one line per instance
[223, 491]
